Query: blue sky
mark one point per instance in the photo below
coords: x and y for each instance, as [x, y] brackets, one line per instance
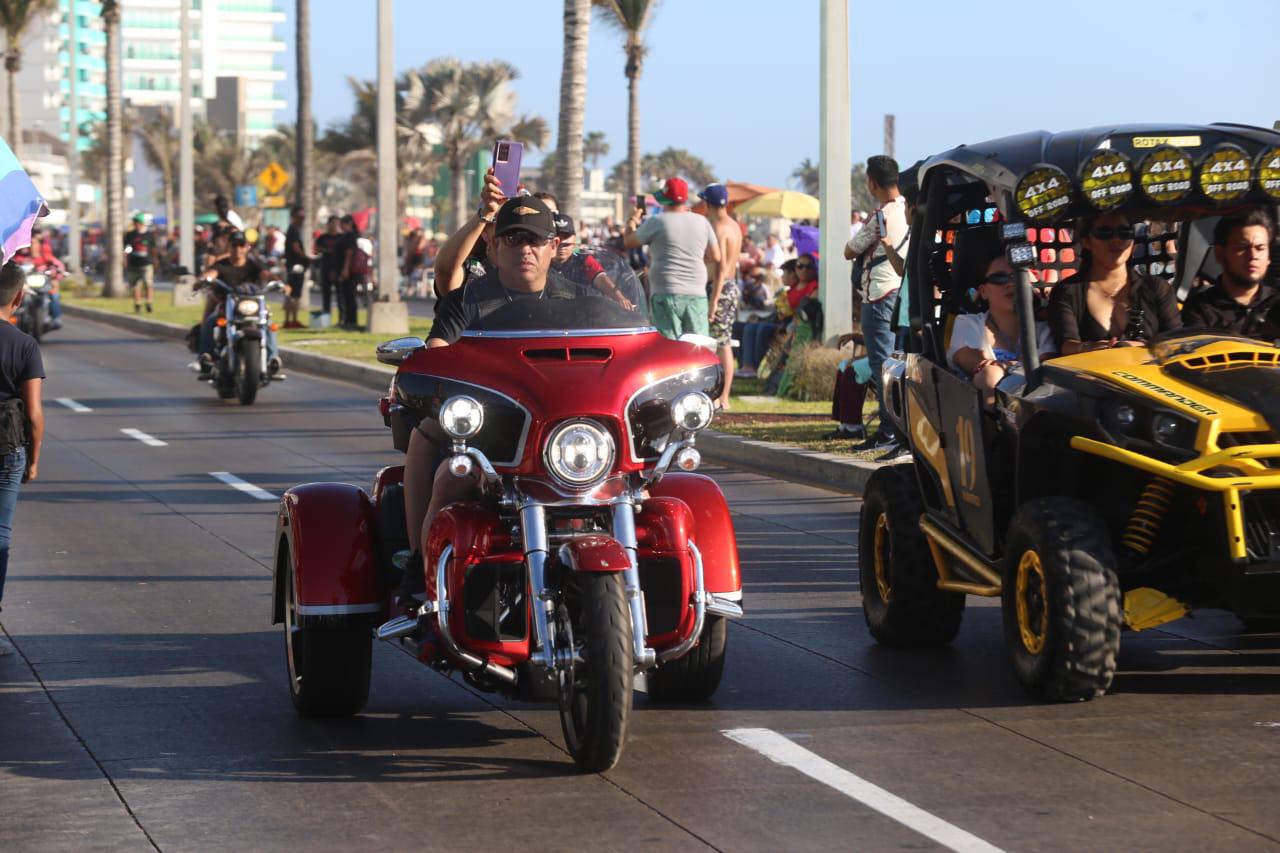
[736, 81]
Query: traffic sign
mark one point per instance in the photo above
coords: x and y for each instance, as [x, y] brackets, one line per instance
[246, 196]
[274, 201]
[273, 178]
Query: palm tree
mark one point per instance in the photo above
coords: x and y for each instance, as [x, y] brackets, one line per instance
[806, 176]
[160, 147]
[631, 17]
[306, 131]
[573, 100]
[595, 146]
[670, 162]
[466, 106]
[16, 16]
[114, 283]
[222, 162]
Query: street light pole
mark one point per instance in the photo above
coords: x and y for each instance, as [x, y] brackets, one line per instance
[73, 136]
[387, 315]
[834, 144]
[186, 168]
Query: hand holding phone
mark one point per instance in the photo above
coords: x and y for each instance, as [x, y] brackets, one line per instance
[883, 230]
[506, 165]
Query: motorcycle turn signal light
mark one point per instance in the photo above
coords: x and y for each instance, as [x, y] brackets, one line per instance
[461, 465]
[222, 321]
[688, 459]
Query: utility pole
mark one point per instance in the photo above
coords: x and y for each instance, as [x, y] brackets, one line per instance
[835, 166]
[387, 315]
[186, 167]
[888, 135]
[73, 136]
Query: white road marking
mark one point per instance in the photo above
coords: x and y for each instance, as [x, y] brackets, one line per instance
[240, 485]
[782, 751]
[73, 405]
[1268, 725]
[148, 440]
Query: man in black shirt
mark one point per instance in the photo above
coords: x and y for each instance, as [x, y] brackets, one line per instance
[21, 412]
[237, 271]
[327, 247]
[296, 262]
[140, 270]
[1240, 301]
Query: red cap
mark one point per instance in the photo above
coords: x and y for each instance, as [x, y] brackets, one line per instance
[674, 191]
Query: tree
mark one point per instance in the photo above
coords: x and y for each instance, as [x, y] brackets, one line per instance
[806, 178]
[573, 101]
[595, 146]
[670, 162]
[862, 199]
[222, 163]
[304, 194]
[465, 106]
[114, 283]
[16, 17]
[631, 18]
[160, 147]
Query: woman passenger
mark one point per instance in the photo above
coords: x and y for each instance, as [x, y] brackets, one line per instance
[987, 347]
[1106, 304]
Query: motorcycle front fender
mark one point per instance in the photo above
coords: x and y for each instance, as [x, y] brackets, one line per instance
[594, 554]
[712, 527]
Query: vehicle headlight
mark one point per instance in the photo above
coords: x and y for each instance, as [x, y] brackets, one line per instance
[461, 417]
[247, 307]
[692, 411]
[579, 453]
[1173, 431]
[35, 281]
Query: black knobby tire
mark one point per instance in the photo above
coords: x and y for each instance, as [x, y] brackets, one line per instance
[901, 602]
[594, 712]
[694, 677]
[328, 668]
[248, 375]
[1061, 600]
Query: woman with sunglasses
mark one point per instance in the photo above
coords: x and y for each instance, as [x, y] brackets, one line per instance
[1106, 304]
[987, 347]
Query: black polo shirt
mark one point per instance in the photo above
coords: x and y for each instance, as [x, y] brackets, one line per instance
[461, 308]
[1214, 308]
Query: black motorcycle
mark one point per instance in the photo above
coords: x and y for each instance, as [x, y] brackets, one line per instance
[240, 362]
[33, 315]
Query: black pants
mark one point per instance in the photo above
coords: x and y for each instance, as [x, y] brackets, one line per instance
[325, 278]
[348, 310]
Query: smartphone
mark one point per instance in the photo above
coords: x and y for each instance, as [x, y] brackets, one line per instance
[880, 222]
[506, 165]
[640, 204]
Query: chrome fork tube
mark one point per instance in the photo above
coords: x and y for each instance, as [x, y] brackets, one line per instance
[624, 530]
[533, 527]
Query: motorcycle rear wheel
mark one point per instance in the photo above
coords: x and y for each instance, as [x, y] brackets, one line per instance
[328, 669]
[248, 376]
[696, 676]
[595, 706]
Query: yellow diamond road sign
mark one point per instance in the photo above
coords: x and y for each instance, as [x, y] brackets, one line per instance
[273, 178]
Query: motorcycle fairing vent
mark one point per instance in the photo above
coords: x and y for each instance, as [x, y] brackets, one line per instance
[598, 354]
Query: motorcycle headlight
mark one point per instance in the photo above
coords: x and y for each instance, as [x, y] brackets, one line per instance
[35, 281]
[461, 417]
[692, 411]
[247, 307]
[580, 453]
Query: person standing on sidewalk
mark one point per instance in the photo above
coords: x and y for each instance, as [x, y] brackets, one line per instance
[21, 412]
[140, 254]
[683, 252]
[726, 292]
[878, 282]
[296, 261]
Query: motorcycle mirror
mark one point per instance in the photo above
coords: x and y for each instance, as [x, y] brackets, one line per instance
[395, 351]
[275, 287]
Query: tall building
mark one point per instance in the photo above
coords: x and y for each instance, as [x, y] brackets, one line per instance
[44, 85]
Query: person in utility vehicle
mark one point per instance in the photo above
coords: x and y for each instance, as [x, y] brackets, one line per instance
[987, 347]
[1241, 300]
[1106, 304]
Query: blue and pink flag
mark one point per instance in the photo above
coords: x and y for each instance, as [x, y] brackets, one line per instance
[20, 204]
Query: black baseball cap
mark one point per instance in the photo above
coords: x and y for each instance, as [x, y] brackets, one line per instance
[237, 238]
[564, 225]
[526, 213]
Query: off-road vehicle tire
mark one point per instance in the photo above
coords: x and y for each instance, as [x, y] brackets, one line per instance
[328, 668]
[901, 601]
[1065, 640]
[694, 677]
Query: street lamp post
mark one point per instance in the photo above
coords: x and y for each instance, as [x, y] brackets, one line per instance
[834, 142]
[73, 135]
[186, 167]
[387, 314]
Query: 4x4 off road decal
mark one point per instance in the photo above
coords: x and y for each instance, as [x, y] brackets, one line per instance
[1044, 193]
[1199, 408]
[1106, 178]
[1269, 172]
[1165, 174]
[1225, 174]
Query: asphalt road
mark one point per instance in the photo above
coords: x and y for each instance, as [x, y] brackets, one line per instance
[147, 706]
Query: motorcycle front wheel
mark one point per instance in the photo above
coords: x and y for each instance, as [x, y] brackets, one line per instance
[248, 376]
[595, 694]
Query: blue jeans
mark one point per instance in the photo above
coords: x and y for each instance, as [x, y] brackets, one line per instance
[755, 342]
[12, 467]
[206, 336]
[877, 333]
[55, 306]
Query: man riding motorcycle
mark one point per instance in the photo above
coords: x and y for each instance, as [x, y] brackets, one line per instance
[236, 270]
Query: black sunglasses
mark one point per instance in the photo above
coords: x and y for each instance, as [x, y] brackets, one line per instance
[1106, 232]
[805, 266]
[524, 238]
[998, 278]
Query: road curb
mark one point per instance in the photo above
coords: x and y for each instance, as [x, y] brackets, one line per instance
[365, 375]
[811, 467]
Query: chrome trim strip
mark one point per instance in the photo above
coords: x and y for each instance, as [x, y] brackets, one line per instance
[563, 333]
[699, 610]
[528, 415]
[442, 619]
[626, 408]
[624, 530]
[336, 609]
[736, 595]
[723, 606]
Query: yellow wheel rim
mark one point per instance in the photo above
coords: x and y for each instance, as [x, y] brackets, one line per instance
[1031, 594]
[881, 558]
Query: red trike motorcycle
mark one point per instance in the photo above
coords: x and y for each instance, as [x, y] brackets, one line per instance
[591, 552]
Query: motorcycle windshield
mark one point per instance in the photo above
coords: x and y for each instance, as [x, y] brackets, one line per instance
[606, 296]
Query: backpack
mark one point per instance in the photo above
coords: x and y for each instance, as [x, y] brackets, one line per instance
[360, 262]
